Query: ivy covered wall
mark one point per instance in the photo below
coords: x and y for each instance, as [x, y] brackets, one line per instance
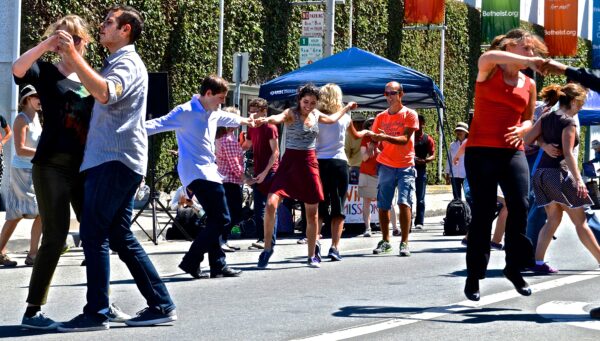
[181, 36]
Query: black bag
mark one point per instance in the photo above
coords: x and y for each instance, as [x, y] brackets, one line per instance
[594, 223]
[592, 188]
[191, 222]
[458, 218]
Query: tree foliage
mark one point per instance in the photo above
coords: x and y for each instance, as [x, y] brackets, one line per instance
[181, 38]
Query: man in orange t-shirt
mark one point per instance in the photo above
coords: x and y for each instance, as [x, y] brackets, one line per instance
[395, 128]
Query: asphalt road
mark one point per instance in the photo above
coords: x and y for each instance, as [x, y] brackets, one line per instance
[363, 297]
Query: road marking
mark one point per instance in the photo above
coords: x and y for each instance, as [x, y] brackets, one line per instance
[571, 313]
[438, 312]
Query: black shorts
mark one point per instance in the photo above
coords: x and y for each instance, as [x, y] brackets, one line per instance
[334, 177]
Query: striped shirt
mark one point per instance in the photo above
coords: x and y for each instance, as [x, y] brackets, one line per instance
[117, 130]
[230, 159]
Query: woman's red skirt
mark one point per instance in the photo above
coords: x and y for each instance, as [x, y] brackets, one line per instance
[298, 177]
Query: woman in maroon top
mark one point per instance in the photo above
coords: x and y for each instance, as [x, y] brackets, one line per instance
[504, 105]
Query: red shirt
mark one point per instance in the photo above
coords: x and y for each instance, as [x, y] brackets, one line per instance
[261, 147]
[397, 155]
[369, 167]
[498, 106]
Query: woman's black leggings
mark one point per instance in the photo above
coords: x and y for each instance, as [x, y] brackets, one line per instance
[486, 169]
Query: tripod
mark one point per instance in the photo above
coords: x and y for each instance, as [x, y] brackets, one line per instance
[153, 200]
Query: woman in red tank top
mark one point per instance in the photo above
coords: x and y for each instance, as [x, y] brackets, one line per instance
[504, 105]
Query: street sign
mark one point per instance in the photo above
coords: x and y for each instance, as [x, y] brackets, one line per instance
[240, 75]
[311, 50]
[312, 24]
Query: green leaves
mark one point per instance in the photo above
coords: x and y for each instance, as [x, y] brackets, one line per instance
[180, 37]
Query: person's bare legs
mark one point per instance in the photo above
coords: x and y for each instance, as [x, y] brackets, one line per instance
[337, 227]
[7, 230]
[554, 213]
[384, 224]
[393, 217]
[500, 226]
[366, 213]
[311, 227]
[273, 201]
[36, 234]
[405, 220]
[586, 236]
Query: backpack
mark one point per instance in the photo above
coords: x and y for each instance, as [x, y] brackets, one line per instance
[189, 220]
[458, 218]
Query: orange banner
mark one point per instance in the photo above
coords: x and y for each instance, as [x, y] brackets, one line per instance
[424, 12]
[560, 27]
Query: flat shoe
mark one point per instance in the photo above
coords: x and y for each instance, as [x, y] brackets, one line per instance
[197, 274]
[518, 282]
[225, 272]
[472, 289]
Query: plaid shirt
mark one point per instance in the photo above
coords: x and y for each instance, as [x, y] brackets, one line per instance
[230, 159]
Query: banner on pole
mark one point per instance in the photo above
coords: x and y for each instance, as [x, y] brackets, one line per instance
[560, 27]
[498, 17]
[596, 35]
[424, 12]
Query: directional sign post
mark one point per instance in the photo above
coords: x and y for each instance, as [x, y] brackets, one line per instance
[311, 50]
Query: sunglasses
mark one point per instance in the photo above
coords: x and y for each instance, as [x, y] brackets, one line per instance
[391, 93]
[76, 40]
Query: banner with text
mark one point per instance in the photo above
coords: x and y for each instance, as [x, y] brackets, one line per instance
[560, 27]
[424, 12]
[498, 17]
[596, 35]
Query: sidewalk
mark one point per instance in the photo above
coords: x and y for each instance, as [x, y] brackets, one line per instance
[436, 200]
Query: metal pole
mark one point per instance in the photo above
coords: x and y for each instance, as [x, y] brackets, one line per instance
[220, 48]
[238, 84]
[441, 137]
[329, 27]
[350, 24]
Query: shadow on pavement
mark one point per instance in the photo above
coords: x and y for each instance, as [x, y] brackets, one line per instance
[472, 316]
[18, 331]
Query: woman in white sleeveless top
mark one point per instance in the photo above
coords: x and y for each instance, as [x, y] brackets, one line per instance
[21, 202]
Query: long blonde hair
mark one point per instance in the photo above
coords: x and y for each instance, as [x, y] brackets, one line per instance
[330, 98]
[73, 24]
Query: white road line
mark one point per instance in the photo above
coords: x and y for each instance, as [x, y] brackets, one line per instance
[433, 313]
[571, 313]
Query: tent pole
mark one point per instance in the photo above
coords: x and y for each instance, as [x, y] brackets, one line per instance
[441, 111]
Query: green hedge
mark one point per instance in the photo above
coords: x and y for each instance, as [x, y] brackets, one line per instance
[181, 37]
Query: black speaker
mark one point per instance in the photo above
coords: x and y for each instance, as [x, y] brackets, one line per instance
[158, 95]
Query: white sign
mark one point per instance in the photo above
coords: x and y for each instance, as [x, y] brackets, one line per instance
[311, 50]
[312, 24]
[354, 207]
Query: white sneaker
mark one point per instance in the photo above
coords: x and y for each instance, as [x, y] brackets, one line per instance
[115, 314]
[418, 227]
[367, 233]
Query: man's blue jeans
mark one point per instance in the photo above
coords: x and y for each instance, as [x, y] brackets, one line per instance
[211, 195]
[536, 218]
[421, 185]
[106, 222]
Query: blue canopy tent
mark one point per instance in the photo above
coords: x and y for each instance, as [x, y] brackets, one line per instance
[590, 113]
[362, 77]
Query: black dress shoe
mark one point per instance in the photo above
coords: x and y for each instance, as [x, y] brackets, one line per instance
[225, 272]
[517, 280]
[595, 313]
[197, 273]
[472, 289]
